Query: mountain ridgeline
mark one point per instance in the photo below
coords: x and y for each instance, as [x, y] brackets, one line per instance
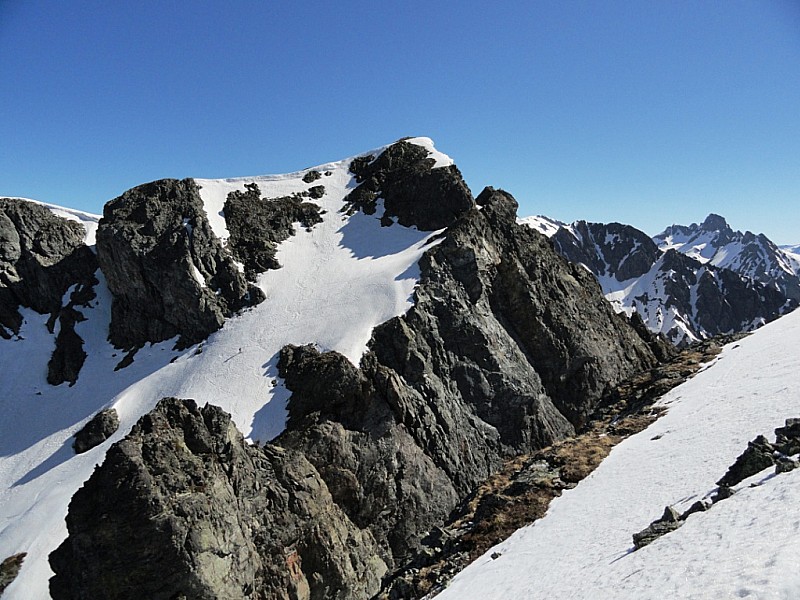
[688, 283]
[506, 348]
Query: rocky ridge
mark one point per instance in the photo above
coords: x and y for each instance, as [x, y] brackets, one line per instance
[508, 348]
[753, 256]
[759, 455]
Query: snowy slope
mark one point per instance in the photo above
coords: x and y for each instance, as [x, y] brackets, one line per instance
[793, 253]
[542, 224]
[337, 282]
[746, 546]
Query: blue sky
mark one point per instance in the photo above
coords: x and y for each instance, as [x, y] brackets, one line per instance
[644, 112]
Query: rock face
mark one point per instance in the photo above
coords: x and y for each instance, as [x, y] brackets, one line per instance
[42, 257]
[184, 508]
[166, 270]
[258, 224]
[681, 295]
[412, 190]
[507, 349]
[101, 427]
[607, 249]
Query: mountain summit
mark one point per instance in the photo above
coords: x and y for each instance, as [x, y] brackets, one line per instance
[287, 381]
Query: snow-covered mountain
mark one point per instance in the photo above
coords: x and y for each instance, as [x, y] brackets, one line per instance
[676, 294]
[754, 256]
[745, 546]
[400, 338]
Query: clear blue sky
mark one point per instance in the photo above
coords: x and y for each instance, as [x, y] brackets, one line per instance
[644, 112]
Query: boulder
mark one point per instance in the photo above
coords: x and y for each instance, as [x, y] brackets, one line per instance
[99, 428]
[758, 456]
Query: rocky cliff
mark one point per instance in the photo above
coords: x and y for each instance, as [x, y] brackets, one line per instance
[167, 271]
[507, 348]
[45, 265]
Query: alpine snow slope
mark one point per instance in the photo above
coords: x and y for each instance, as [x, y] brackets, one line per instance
[338, 281]
[744, 547]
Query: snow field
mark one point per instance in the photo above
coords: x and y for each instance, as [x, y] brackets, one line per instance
[745, 546]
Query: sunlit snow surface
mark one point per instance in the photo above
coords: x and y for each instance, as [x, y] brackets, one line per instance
[744, 547]
[337, 282]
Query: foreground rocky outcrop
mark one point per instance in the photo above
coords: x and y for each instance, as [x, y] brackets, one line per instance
[168, 273]
[507, 349]
[42, 257]
[184, 508]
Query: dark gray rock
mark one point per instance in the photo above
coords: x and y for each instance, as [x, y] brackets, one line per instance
[41, 257]
[256, 225]
[669, 521]
[183, 507]
[506, 349]
[99, 428]
[167, 271]
[311, 176]
[787, 438]
[758, 456]
[412, 190]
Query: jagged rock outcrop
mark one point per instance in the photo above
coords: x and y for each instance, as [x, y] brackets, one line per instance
[508, 348]
[167, 271]
[184, 508]
[99, 428]
[42, 257]
[757, 457]
[257, 225]
[412, 190]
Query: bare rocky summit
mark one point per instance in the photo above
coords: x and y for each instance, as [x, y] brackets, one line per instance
[507, 348]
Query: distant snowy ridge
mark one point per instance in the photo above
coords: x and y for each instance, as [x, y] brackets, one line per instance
[751, 255]
[675, 293]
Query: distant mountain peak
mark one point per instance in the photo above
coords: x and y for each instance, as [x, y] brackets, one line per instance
[714, 222]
